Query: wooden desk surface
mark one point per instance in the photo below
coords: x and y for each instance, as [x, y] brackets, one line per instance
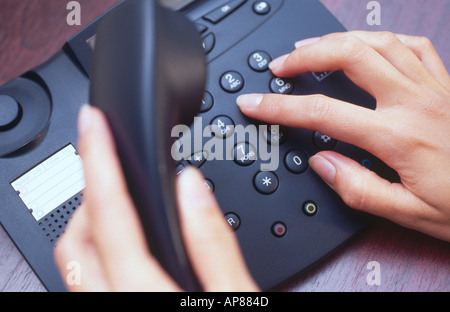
[32, 31]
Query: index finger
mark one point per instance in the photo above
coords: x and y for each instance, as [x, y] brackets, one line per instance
[343, 121]
[360, 62]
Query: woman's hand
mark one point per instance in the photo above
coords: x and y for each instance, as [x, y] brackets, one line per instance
[106, 240]
[409, 130]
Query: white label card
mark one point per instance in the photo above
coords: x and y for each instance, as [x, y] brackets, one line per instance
[51, 183]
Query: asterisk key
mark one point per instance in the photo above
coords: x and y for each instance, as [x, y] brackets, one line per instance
[266, 181]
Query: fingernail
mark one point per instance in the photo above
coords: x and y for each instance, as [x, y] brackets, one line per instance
[192, 190]
[84, 119]
[306, 42]
[249, 100]
[324, 168]
[278, 62]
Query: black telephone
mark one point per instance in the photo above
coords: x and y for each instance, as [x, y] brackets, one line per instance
[173, 68]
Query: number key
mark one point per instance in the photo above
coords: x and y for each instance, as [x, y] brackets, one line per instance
[259, 61]
[244, 154]
[222, 127]
[281, 85]
[232, 82]
[296, 161]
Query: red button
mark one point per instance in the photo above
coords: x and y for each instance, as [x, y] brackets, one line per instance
[279, 229]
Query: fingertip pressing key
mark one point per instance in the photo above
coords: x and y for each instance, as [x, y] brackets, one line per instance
[278, 62]
[249, 101]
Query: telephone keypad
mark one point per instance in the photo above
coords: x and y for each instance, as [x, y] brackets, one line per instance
[281, 205]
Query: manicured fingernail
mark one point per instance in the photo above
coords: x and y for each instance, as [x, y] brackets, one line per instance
[324, 168]
[84, 119]
[249, 100]
[306, 42]
[278, 62]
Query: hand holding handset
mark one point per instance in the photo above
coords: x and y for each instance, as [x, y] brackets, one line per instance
[148, 75]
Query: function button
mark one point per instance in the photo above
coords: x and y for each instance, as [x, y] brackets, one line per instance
[281, 85]
[208, 42]
[201, 28]
[244, 154]
[261, 7]
[296, 161]
[233, 221]
[220, 13]
[198, 159]
[276, 135]
[324, 142]
[266, 182]
[222, 126]
[366, 163]
[179, 169]
[259, 61]
[232, 82]
[279, 229]
[207, 102]
[310, 208]
[10, 112]
[209, 185]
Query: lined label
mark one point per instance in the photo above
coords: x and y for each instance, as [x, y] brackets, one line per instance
[51, 183]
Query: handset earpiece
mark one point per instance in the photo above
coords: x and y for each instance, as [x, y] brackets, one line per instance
[148, 75]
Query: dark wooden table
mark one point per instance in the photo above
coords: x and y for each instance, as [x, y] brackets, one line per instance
[32, 31]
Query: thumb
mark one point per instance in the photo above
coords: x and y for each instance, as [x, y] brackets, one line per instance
[364, 190]
[212, 246]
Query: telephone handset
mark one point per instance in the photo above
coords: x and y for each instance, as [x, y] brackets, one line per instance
[149, 75]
